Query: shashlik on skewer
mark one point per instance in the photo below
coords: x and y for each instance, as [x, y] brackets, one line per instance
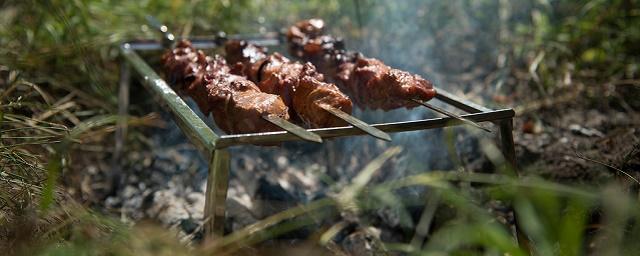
[301, 87]
[370, 83]
[237, 104]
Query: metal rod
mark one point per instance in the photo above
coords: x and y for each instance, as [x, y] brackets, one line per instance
[332, 132]
[509, 151]
[293, 129]
[508, 145]
[449, 114]
[209, 42]
[195, 129]
[365, 127]
[458, 102]
[167, 38]
[216, 193]
[123, 110]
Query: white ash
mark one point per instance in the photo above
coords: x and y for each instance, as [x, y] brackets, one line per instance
[168, 184]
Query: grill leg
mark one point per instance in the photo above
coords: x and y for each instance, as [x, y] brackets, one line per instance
[509, 151]
[508, 146]
[121, 126]
[216, 194]
[123, 108]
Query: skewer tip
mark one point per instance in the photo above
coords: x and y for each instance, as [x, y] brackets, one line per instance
[293, 129]
[363, 126]
[452, 115]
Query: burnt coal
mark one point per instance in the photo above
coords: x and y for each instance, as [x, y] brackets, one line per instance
[272, 197]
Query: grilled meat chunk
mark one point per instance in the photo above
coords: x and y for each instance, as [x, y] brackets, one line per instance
[306, 41]
[237, 104]
[371, 83]
[299, 85]
[311, 94]
[246, 59]
[306, 29]
[183, 64]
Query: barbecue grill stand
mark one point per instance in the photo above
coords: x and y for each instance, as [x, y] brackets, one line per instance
[214, 146]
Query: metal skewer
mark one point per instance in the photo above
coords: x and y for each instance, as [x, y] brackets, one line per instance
[293, 129]
[375, 132]
[452, 115]
[167, 38]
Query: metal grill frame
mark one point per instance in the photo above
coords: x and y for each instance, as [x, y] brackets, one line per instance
[214, 146]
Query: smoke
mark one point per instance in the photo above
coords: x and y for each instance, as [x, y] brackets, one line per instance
[452, 43]
[443, 41]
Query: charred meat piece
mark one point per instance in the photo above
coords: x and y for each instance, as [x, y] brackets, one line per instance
[183, 64]
[308, 43]
[371, 83]
[299, 85]
[306, 38]
[246, 59]
[377, 86]
[237, 104]
[306, 29]
[311, 94]
[184, 67]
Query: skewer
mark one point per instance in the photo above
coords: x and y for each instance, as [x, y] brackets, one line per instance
[452, 115]
[168, 39]
[293, 129]
[375, 132]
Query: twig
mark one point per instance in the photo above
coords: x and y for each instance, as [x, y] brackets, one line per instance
[533, 72]
[547, 102]
[626, 82]
[607, 165]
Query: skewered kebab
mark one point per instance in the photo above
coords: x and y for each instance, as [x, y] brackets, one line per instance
[301, 87]
[270, 72]
[237, 104]
[371, 83]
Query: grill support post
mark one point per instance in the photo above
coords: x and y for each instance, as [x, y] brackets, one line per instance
[216, 193]
[123, 109]
[508, 145]
[115, 176]
[509, 152]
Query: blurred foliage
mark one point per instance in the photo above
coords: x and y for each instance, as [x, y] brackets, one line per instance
[73, 44]
[26, 139]
[564, 43]
[559, 220]
[38, 133]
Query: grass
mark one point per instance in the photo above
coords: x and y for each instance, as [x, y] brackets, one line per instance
[58, 66]
[556, 217]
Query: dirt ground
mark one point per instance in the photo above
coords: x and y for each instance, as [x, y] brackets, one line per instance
[584, 140]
